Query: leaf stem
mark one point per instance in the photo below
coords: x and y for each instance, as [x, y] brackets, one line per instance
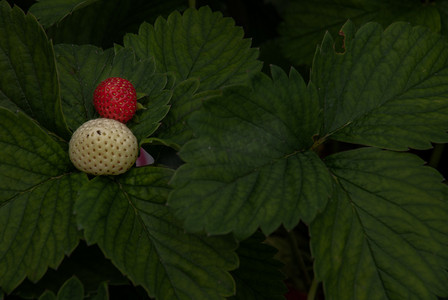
[313, 289]
[318, 142]
[298, 255]
[436, 155]
[192, 3]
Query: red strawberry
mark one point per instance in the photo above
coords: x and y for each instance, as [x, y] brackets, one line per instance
[115, 98]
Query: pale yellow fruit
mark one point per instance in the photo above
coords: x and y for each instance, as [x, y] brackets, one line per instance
[103, 147]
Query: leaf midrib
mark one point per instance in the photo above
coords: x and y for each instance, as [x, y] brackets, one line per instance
[387, 100]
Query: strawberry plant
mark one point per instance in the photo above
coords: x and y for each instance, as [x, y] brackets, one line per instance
[308, 162]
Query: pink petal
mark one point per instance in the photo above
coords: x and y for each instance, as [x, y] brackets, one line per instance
[144, 159]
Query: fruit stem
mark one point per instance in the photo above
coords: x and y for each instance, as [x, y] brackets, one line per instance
[313, 289]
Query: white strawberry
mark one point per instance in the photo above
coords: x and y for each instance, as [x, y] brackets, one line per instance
[103, 147]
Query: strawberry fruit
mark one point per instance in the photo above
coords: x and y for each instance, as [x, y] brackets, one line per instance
[115, 98]
[103, 147]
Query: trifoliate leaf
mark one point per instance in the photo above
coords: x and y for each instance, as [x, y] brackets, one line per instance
[29, 80]
[129, 220]
[37, 227]
[198, 44]
[388, 89]
[82, 68]
[306, 22]
[384, 234]
[251, 165]
[52, 11]
[258, 276]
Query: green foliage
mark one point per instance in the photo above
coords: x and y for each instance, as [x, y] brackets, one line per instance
[185, 101]
[129, 221]
[50, 12]
[73, 289]
[240, 155]
[385, 89]
[383, 235]
[29, 79]
[82, 68]
[37, 196]
[98, 22]
[306, 22]
[203, 51]
[198, 44]
[251, 161]
[255, 263]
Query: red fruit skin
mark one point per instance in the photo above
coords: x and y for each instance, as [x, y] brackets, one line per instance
[295, 295]
[115, 98]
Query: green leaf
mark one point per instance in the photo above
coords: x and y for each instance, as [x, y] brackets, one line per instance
[442, 6]
[142, 73]
[29, 156]
[198, 44]
[29, 80]
[71, 290]
[129, 220]
[251, 165]
[258, 276]
[204, 51]
[160, 142]
[52, 11]
[384, 233]
[84, 262]
[388, 89]
[48, 295]
[36, 197]
[82, 68]
[146, 121]
[104, 22]
[184, 102]
[37, 229]
[306, 22]
[102, 293]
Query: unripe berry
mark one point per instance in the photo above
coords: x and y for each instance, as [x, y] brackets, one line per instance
[103, 147]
